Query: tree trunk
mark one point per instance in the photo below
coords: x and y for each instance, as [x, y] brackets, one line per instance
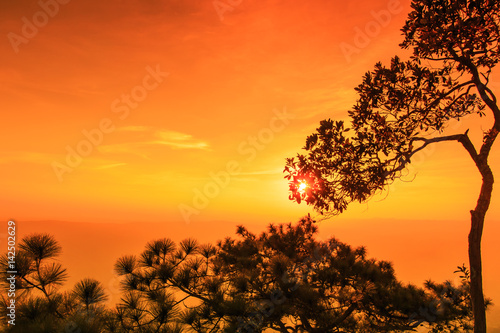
[476, 232]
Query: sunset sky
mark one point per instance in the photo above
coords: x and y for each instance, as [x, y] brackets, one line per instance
[123, 121]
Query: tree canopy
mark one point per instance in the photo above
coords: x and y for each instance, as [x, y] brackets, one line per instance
[283, 280]
[296, 283]
[404, 107]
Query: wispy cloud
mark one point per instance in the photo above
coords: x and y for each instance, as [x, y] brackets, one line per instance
[179, 140]
[135, 148]
[151, 137]
[183, 145]
[171, 135]
[109, 166]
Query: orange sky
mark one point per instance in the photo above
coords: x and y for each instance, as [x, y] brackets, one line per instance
[244, 88]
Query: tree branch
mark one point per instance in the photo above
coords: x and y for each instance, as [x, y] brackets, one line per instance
[455, 137]
[486, 94]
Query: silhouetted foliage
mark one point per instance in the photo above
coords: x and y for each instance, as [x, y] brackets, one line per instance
[282, 280]
[40, 306]
[295, 283]
[157, 283]
[36, 266]
[89, 293]
[403, 108]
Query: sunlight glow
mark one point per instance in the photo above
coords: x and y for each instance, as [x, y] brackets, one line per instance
[302, 187]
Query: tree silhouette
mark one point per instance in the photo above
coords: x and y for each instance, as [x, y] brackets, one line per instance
[89, 293]
[158, 283]
[403, 108]
[461, 316]
[36, 266]
[40, 306]
[283, 280]
[37, 280]
[291, 282]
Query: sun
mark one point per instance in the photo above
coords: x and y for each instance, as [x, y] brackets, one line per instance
[302, 187]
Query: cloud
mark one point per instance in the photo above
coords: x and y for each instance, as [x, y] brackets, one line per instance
[109, 166]
[184, 145]
[179, 140]
[171, 135]
[150, 138]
